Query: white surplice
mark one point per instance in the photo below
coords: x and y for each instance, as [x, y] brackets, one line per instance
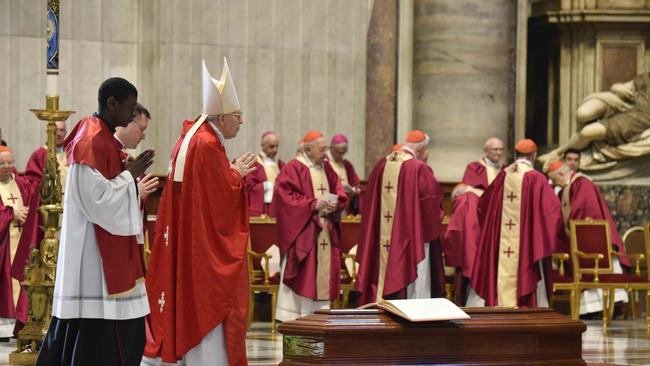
[80, 288]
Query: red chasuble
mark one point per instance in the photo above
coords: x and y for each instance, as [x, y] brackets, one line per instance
[91, 143]
[299, 227]
[36, 167]
[539, 228]
[476, 175]
[463, 231]
[417, 219]
[7, 309]
[586, 201]
[255, 188]
[197, 277]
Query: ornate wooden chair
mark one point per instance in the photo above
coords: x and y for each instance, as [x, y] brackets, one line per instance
[635, 244]
[350, 227]
[263, 234]
[592, 267]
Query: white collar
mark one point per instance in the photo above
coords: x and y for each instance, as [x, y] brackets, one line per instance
[409, 150]
[489, 163]
[219, 134]
[309, 162]
[524, 161]
[266, 159]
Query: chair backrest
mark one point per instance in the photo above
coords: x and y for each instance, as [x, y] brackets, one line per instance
[591, 237]
[263, 234]
[634, 241]
[350, 231]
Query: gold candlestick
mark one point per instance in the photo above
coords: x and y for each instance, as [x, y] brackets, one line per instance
[40, 273]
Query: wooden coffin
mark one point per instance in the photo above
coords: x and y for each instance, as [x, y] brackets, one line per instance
[492, 336]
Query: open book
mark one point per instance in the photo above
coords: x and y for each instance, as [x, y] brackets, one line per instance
[421, 310]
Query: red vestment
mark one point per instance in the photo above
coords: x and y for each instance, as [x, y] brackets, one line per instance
[92, 143]
[299, 226]
[418, 219]
[587, 201]
[255, 188]
[540, 234]
[36, 167]
[463, 231]
[476, 175]
[197, 277]
[7, 309]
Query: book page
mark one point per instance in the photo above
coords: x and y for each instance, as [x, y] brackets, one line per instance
[420, 310]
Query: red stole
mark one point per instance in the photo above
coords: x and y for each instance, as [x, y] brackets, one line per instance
[91, 143]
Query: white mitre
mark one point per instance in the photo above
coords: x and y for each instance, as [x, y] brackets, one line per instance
[219, 97]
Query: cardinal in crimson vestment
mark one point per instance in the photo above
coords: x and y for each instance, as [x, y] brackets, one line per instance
[99, 295]
[14, 198]
[259, 184]
[399, 252]
[521, 226]
[197, 278]
[308, 201]
[581, 199]
[480, 174]
[346, 172]
[463, 231]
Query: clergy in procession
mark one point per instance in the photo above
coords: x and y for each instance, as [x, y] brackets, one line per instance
[344, 169]
[581, 199]
[259, 183]
[14, 197]
[521, 226]
[481, 173]
[100, 300]
[308, 200]
[197, 278]
[399, 255]
[36, 163]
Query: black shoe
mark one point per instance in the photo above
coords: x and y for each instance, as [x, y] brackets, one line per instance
[4, 340]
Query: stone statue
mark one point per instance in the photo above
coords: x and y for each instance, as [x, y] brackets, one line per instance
[614, 127]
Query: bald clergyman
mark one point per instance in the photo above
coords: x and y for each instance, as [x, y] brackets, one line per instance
[259, 183]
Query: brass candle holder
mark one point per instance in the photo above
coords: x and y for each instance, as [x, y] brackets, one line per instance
[40, 273]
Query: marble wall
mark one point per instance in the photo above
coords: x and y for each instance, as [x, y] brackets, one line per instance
[463, 76]
[297, 65]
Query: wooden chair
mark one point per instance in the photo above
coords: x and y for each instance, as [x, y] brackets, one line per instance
[350, 227]
[263, 234]
[635, 244]
[592, 267]
[452, 274]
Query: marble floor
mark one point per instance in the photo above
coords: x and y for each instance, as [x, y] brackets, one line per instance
[626, 343]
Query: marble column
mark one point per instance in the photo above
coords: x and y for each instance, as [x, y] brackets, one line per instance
[464, 57]
[381, 81]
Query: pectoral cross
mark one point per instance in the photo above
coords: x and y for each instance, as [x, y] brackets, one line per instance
[12, 199]
[388, 216]
[511, 196]
[510, 224]
[321, 189]
[161, 301]
[386, 245]
[166, 236]
[388, 187]
[323, 244]
[508, 252]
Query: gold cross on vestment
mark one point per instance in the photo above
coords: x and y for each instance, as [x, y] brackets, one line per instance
[12, 198]
[388, 187]
[388, 216]
[387, 245]
[161, 301]
[510, 224]
[511, 196]
[321, 189]
[323, 244]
